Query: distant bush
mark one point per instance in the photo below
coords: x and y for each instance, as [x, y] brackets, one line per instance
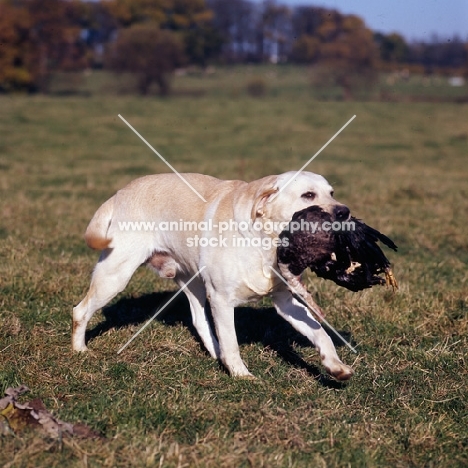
[337, 80]
[257, 87]
[147, 52]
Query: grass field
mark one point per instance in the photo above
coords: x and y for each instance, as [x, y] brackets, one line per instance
[402, 167]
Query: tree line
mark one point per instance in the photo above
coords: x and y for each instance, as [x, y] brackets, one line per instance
[151, 38]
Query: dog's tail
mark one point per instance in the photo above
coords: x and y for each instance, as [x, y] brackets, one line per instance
[96, 232]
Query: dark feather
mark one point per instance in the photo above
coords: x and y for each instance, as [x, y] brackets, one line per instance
[350, 258]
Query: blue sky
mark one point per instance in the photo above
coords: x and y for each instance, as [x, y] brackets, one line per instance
[414, 19]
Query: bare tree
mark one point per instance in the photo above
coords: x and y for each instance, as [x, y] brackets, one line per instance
[276, 26]
[234, 19]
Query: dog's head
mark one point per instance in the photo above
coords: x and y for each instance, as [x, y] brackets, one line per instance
[279, 197]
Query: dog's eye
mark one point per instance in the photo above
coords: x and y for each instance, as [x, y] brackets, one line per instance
[309, 195]
[332, 193]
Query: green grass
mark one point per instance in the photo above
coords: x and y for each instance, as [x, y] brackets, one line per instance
[163, 402]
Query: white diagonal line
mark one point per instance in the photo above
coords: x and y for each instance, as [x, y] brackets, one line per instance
[167, 163]
[312, 310]
[317, 153]
[160, 310]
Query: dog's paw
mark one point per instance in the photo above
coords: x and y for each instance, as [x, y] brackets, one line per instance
[248, 376]
[78, 345]
[340, 371]
[241, 374]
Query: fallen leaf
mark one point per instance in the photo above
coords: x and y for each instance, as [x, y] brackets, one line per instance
[17, 417]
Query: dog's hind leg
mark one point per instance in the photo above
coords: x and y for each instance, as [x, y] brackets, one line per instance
[196, 294]
[301, 319]
[110, 276]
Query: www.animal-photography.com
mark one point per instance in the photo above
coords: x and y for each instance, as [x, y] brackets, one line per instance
[233, 233]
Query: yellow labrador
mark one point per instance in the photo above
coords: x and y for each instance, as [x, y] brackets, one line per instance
[232, 239]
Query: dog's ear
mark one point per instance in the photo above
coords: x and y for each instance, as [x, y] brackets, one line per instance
[261, 199]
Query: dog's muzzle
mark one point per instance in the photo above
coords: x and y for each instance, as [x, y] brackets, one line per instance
[341, 213]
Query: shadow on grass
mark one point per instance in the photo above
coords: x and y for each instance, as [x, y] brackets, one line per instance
[253, 325]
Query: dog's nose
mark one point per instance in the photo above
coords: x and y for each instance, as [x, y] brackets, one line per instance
[341, 212]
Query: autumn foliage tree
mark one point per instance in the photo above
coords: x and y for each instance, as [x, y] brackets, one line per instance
[193, 20]
[129, 12]
[340, 46]
[305, 49]
[38, 37]
[148, 52]
[41, 37]
[349, 52]
[155, 36]
[15, 49]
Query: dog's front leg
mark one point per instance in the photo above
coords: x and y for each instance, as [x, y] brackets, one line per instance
[301, 319]
[223, 318]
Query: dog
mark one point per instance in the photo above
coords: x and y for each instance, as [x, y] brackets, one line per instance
[224, 271]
